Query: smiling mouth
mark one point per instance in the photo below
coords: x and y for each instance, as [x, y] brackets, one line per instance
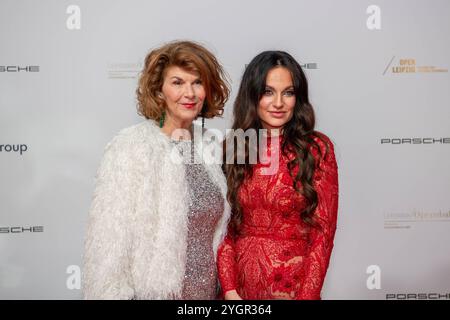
[189, 105]
[277, 114]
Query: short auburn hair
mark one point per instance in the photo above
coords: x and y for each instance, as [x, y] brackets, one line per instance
[191, 57]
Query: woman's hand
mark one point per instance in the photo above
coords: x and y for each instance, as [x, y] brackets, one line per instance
[232, 295]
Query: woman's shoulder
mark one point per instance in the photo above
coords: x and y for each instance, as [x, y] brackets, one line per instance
[143, 130]
[322, 139]
[134, 137]
[324, 143]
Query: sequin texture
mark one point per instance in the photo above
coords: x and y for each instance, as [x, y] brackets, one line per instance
[206, 205]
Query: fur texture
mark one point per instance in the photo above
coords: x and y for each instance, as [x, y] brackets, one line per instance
[135, 245]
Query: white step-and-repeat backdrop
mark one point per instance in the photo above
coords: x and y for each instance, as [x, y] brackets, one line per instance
[378, 73]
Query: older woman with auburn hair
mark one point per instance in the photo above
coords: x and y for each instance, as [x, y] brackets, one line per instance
[155, 222]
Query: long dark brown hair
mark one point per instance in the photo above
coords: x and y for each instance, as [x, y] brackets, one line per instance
[298, 132]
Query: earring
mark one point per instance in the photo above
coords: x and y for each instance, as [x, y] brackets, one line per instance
[202, 114]
[161, 120]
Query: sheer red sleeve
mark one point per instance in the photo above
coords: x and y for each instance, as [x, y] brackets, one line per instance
[321, 240]
[226, 263]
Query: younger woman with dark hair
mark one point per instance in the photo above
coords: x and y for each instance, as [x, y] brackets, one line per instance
[283, 224]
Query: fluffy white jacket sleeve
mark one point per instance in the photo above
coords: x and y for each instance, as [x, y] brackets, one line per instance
[106, 272]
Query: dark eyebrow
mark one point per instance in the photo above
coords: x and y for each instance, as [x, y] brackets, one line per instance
[288, 88]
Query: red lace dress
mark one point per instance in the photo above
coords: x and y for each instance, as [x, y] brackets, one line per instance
[276, 255]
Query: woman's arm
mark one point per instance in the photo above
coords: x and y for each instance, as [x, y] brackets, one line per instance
[106, 272]
[226, 264]
[317, 260]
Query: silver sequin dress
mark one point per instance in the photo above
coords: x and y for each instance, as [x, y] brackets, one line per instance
[206, 205]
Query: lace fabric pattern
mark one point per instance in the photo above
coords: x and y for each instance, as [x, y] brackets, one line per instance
[276, 255]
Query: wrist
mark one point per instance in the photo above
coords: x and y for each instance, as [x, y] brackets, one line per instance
[232, 295]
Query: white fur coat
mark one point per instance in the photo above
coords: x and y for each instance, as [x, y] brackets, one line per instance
[135, 245]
